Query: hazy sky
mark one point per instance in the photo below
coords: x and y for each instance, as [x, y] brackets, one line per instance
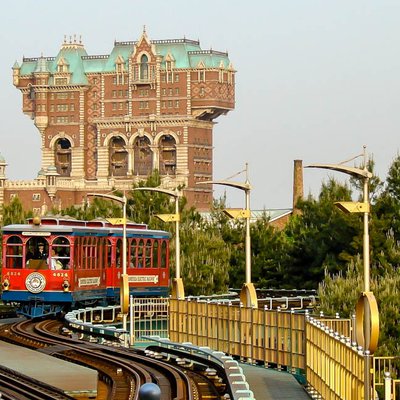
[316, 80]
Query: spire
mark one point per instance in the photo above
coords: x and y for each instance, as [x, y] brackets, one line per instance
[73, 42]
[144, 35]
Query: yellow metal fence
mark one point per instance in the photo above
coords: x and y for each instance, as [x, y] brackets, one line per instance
[386, 370]
[335, 367]
[265, 336]
[321, 349]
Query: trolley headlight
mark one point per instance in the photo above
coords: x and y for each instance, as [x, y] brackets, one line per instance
[6, 285]
[66, 285]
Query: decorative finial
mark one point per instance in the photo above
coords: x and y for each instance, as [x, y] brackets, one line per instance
[80, 39]
[65, 38]
[144, 29]
[74, 37]
[70, 39]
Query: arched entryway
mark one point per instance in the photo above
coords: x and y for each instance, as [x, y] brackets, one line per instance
[167, 151]
[62, 157]
[118, 157]
[143, 156]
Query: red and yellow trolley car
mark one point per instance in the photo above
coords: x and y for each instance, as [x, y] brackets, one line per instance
[53, 264]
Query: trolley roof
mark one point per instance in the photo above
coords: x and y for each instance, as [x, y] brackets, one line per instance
[53, 225]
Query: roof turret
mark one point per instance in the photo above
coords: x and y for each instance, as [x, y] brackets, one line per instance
[71, 54]
[51, 170]
[41, 65]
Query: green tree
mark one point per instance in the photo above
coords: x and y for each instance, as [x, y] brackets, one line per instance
[340, 292]
[13, 213]
[321, 237]
[204, 259]
[269, 254]
[97, 208]
[143, 206]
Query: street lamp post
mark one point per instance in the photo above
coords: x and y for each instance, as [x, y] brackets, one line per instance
[178, 290]
[248, 295]
[124, 286]
[367, 315]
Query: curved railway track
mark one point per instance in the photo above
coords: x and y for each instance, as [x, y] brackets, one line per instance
[15, 386]
[121, 371]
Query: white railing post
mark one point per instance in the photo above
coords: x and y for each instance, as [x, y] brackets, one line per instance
[388, 386]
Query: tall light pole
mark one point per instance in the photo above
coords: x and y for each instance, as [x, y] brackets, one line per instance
[248, 295]
[367, 316]
[178, 290]
[124, 285]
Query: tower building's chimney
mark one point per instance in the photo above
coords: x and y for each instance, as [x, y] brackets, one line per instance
[297, 183]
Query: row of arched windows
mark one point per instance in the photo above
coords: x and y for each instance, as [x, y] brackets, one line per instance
[118, 156]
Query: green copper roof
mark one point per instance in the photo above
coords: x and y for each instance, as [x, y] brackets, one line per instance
[179, 51]
[73, 56]
[186, 54]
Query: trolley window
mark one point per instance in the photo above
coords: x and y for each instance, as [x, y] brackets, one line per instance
[109, 254]
[148, 254]
[140, 254]
[118, 253]
[14, 252]
[164, 254]
[36, 253]
[62, 248]
[156, 261]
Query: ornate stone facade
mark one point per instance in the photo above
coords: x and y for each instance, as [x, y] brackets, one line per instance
[108, 121]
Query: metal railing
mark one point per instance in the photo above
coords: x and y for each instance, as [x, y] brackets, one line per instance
[333, 366]
[320, 350]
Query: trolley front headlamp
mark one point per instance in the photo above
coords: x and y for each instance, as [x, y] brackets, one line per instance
[66, 285]
[6, 285]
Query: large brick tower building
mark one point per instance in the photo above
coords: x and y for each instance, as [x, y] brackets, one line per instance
[107, 121]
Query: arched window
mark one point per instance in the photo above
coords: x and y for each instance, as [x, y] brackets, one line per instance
[62, 157]
[118, 253]
[133, 253]
[155, 254]
[118, 157]
[144, 68]
[164, 254]
[14, 252]
[109, 254]
[167, 149]
[143, 156]
[140, 254]
[148, 255]
[61, 247]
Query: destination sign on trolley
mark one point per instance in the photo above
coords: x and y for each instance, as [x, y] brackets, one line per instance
[92, 281]
[143, 278]
[36, 233]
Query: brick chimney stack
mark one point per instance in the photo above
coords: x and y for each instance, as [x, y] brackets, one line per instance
[297, 183]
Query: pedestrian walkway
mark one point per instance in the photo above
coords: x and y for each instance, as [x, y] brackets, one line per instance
[73, 379]
[268, 384]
